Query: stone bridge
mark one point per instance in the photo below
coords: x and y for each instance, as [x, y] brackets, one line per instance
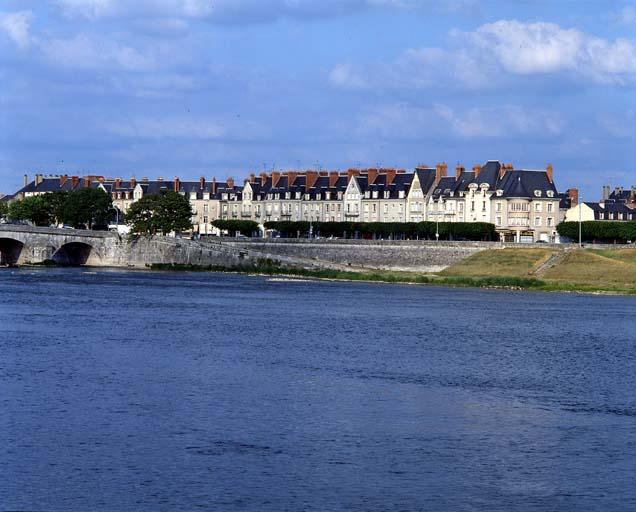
[20, 244]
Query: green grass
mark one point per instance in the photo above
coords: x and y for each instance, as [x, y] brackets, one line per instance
[500, 262]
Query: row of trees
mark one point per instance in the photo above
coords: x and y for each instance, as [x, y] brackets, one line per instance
[599, 231]
[162, 213]
[83, 208]
[244, 227]
[421, 230]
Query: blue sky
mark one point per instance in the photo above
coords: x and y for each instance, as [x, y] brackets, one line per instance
[225, 87]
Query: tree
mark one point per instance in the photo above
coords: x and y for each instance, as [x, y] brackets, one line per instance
[163, 213]
[4, 209]
[55, 202]
[245, 227]
[88, 206]
[35, 209]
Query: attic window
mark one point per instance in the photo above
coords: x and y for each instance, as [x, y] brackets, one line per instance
[537, 193]
[499, 193]
[550, 193]
[447, 191]
[387, 194]
[367, 194]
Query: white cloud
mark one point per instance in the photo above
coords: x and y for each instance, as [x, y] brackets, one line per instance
[16, 25]
[155, 128]
[85, 52]
[501, 121]
[495, 54]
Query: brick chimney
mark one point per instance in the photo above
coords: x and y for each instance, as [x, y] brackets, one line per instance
[573, 196]
[440, 171]
[291, 177]
[63, 180]
[503, 169]
[333, 178]
[458, 171]
[323, 173]
[351, 173]
[372, 174]
[133, 182]
[476, 170]
[202, 182]
[390, 176]
[275, 178]
[213, 187]
[74, 181]
[26, 180]
[176, 184]
[311, 178]
[38, 179]
[86, 182]
[550, 172]
[263, 179]
[230, 182]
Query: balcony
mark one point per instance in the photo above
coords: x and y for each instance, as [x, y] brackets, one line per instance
[352, 214]
[246, 214]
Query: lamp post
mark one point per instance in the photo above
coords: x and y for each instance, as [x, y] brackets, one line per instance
[580, 223]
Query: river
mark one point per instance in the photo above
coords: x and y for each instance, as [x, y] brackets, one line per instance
[148, 391]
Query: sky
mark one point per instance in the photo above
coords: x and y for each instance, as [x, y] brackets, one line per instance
[191, 88]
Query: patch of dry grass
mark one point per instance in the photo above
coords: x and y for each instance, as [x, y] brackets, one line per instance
[515, 262]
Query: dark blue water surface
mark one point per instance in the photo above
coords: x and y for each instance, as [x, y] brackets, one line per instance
[125, 391]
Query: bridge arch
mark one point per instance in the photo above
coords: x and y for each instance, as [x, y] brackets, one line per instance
[10, 251]
[75, 254]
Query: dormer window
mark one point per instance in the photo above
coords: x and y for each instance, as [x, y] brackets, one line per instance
[499, 193]
[375, 194]
[387, 194]
[367, 194]
[550, 193]
[537, 193]
[287, 195]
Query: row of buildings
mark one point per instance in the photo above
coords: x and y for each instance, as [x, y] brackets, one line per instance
[523, 204]
[619, 204]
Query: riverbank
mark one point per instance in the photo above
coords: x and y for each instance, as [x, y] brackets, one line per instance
[563, 270]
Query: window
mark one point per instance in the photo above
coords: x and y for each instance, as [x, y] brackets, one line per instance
[537, 207]
[537, 193]
[537, 221]
[498, 221]
[550, 221]
[483, 206]
[386, 208]
[498, 206]
[472, 206]
[550, 207]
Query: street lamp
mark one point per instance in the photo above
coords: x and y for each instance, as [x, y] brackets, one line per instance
[580, 223]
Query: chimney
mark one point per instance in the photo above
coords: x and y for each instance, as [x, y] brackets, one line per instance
[440, 171]
[606, 193]
[323, 173]
[26, 180]
[263, 179]
[617, 192]
[310, 180]
[275, 178]
[160, 179]
[201, 182]
[291, 177]
[63, 180]
[333, 178]
[573, 196]
[38, 179]
[252, 178]
[133, 182]
[100, 179]
[503, 169]
[74, 182]
[230, 182]
[176, 184]
[550, 172]
[351, 173]
[476, 170]
[86, 182]
[213, 187]
[403, 171]
[144, 179]
[458, 171]
[390, 176]
[372, 174]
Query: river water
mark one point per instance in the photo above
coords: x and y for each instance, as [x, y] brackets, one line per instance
[124, 391]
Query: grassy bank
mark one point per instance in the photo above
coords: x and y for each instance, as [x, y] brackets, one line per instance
[544, 269]
[566, 269]
[380, 276]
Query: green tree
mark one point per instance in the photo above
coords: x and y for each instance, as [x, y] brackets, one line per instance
[4, 209]
[163, 213]
[88, 206]
[55, 203]
[245, 227]
[35, 209]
